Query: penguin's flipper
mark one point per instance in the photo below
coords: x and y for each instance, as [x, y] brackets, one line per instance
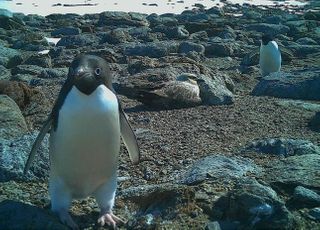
[45, 128]
[128, 137]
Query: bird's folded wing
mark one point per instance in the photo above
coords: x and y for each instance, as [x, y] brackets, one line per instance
[129, 138]
[45, 128]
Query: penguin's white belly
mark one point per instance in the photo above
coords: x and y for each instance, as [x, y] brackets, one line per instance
[270, 59]
[85, 146]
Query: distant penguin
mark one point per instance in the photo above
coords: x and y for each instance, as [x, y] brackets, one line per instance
[270, 56]
[85, 127]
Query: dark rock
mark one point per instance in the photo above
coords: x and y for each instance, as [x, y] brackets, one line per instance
[27, 69]
[116, 36]
[14, 154]
[194, 17]
[176, 32]
[5, 73]
[256, 206]
[199, 36]
[119, 19]
[28, 79]
[9, 57]
[315, 122]
[305, 198]
[17, 215]
[306, 41]
[314, 214]
[155, 20]
[304, 50]
[282, 146]
[65, 31]
[220, 49]
[297, 27]
[54, 73]
[295, 170]
[220, 168]
[79, 40]
[299, 84]
[31, 41]
[272, 29]
[154, 49]
[11, 23]
[312, 15]
[39, 60]
[186, 47]
[12, 122]
[214, 91]
[154, 202]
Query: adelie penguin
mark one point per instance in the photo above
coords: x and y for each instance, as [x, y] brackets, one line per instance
[270, 56]
[85, 126]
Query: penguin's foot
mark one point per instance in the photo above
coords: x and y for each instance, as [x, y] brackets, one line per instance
[66, 219]
[110, 219]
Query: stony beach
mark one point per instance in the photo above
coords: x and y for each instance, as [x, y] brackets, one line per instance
[245, 154]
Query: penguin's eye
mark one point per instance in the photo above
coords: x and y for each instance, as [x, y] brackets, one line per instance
[97, 71]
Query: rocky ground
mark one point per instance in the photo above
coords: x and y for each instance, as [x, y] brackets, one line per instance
[244, 155]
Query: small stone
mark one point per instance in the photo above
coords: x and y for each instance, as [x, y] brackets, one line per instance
[305, 198]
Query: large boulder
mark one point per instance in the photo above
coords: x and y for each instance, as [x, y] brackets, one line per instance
[213, 91]
[295, 170]
[219, 168]
[9, 57]
[14, 154]
[17, 215]
[299, 84]
[282, 147]
[253, 206]
[12, 122]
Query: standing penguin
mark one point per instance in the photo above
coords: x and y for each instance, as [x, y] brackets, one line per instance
[270, 56]
[85, 127]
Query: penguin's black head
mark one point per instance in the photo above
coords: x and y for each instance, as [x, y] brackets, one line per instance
[87, 72]
[266, 38]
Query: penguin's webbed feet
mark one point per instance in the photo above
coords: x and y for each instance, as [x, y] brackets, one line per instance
[110, 219]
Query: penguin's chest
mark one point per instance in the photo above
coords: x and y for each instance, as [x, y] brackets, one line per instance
[270, 58]
[84, 148]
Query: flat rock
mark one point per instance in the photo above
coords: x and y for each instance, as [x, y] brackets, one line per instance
[65, 31]
[12, 122]
[255, 205]
[14, 154]
[295, 170]
[273, 29]
[282, 146]
[152, 49]
[122, 19]
[9, 57]
[80, 40]
[305, 198]
[299, 84]
[219, 167]
[155, 201]
[17, 215]
[309, 106]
